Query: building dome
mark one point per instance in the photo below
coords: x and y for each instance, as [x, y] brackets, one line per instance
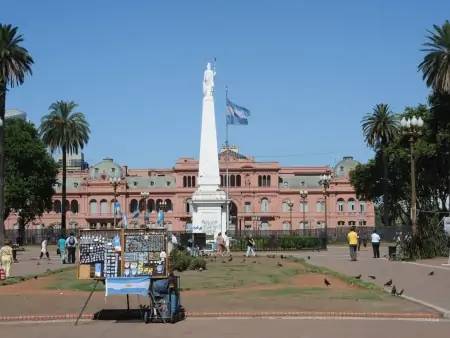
[343, 168]
[105, 169]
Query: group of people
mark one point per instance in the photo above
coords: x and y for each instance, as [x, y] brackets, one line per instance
[354, 243]
[66, 248]
[223, 244]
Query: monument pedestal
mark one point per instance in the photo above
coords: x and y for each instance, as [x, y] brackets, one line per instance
[209, 212]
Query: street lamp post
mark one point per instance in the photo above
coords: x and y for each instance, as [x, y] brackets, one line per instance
[304, 196]
[144, 195]
[412, 127]
[115, 181]
[324, 181]
[290, 205]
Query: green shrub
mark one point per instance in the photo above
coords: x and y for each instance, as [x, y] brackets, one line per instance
[197, 263]
[182, 261]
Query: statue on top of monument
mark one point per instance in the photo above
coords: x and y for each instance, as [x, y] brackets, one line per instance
[208, 81]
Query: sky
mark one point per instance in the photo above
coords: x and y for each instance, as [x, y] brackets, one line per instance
[308, 71]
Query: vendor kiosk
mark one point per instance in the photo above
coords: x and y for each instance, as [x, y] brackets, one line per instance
[132, 262]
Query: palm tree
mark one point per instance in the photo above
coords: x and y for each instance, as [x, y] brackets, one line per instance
[379, 129]
[436, 63]
[15, 64]
[67, 131]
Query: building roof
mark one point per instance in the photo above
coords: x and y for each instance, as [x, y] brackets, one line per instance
[105, 169]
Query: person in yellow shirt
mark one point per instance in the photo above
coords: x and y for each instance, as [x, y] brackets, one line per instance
[352, 238]
[6, 258]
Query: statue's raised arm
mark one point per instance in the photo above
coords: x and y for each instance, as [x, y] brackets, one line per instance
[208, 81]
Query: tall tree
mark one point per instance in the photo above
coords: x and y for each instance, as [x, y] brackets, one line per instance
[64, 129]
[379, 128]
[436, 63]
[28, 188]
[15, 64]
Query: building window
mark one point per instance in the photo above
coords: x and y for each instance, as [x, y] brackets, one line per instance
[262, 226]
[133, 206]
[303, 225]
[340, 205]
[169, 206]
[104, 207]
[113, 170]
[351, 205]
[319, 224]
[193, 181]
[341, 223]
[232, 181]
[248, 207]
[188, 205]
[188, 181]
[304, 206]
[66, 206]
[93, 207]
[238, 180]
[351, 223]
[74, 207]
[264, 205]
[362, 223]
[57, 206]
[142, 205]
[320, 206]
[264, 181]
[285, 206]
[158, 204]
[151, 205]
[362, 206]
[286, 226]
[184, 182]
[221, 180]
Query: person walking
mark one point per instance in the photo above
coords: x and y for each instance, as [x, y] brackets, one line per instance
[375, 243]
[71, 245]
[226, 239]
[62, 248]
[6, 258]
[220, 244]
[250, 246]
[44, 250]
[352, 238]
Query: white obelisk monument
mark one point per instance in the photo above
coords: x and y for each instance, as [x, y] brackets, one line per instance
[208, 201]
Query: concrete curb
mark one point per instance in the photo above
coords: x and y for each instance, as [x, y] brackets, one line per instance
[302, 314]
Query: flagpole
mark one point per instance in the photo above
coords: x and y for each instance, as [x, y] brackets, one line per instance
[226, 164]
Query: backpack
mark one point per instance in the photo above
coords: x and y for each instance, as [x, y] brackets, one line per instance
[71, 241]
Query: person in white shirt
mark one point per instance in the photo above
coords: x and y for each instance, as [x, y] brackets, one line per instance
[375, 244]
[227, 243]
[44, 250]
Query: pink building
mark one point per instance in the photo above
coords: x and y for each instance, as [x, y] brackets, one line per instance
[264, 195]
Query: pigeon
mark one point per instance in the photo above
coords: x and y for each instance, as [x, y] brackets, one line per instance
[35, 277]
[223, 262]
[401, 292]
[327, 283]
[282, 256]
[309, 257]
[254, 261]
[431, 273]
[372, 277]
[358, 277]
[388, 283]
[230, 259]
[394, 291]
[279, 264]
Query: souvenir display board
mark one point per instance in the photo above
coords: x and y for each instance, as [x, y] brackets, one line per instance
[145, 253]
[122, 253]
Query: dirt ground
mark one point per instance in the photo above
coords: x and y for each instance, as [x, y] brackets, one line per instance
[244, 287]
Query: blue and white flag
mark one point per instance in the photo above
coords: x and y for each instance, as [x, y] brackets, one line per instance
[236, 114]
[127, 286]
[117, 207]
[124, 221]
[160, 219]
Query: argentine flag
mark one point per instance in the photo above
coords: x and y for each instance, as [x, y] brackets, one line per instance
[236, 114]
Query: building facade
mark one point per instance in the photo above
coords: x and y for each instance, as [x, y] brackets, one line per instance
[263, 195]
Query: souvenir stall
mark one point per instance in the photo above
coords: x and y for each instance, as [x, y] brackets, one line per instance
[132, 262]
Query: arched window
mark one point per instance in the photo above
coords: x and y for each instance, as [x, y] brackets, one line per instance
[341, 223]
[320, 206]
[133, 206]
[151, 205]
[74, 207]
[221, 180]
[189, 181]
[351, 205]
[142, 205]
[193, 181]
[340, 205]
[104, 207]
[238, 180]
[93, 207]
[232, 180]
[57, 206]
[362, 206]
[184, 182]
[264, 225]
[268, 181]
[169, 206]
[188, 205]
[285, 206]
[259, 181]
[304, 206]
[351, 223]
[286, 226]
[264, 180]
[264, 205]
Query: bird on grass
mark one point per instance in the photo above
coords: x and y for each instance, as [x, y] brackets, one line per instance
[35, 277]
[327, 283]
[279, 264]
[282, 256]
[388, 283]
[394, 291]
[309, 257]
[401, 292]
[372, 277]
[431, 273]
[223, 262]
[230, 259]
[358, 277]
[254, 262]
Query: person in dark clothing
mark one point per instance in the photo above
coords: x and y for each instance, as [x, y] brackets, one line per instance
[71, 245]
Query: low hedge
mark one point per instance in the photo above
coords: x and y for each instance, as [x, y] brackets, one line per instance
[182, 261]
[287, 242]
